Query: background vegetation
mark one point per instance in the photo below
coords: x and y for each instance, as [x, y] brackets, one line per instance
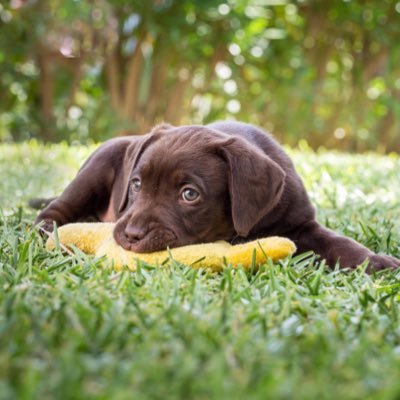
[325, 71]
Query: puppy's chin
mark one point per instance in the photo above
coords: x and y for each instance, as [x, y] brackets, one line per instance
[155, 240]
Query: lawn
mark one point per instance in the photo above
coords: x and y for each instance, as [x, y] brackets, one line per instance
[70, 329]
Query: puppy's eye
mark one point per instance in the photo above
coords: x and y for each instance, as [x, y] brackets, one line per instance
[189, 195]
[136, 184]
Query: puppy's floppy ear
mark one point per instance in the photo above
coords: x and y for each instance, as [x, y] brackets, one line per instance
[133, 154]
[131, 158]
[255, 182]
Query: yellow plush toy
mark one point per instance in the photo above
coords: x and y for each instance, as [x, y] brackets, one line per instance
[97, 239]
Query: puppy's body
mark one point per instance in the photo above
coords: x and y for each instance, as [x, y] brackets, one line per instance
[192, 184]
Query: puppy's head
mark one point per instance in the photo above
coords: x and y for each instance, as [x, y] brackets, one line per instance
[191, 185]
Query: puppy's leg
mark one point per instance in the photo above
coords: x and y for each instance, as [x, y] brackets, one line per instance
[90, 192]
[335, 248]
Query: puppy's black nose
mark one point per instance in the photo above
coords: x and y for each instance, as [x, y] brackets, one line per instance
[135, 233]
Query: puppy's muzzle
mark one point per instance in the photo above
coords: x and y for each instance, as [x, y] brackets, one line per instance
[144, 239]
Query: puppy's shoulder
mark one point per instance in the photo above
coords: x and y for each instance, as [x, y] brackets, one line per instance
[248, 132]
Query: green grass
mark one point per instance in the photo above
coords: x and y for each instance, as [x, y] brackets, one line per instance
[71, 329]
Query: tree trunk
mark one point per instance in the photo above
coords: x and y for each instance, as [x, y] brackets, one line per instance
[113, 72]
[133, 74]
[158, 90]
[46, 85]
[77, 69]
[174, 110]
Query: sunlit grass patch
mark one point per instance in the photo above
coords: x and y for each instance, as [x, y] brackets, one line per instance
[71, 328]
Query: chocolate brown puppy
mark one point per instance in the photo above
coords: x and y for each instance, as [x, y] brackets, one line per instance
[192, 184]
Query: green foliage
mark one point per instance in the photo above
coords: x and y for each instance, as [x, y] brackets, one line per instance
[324, 71]
[70, 328]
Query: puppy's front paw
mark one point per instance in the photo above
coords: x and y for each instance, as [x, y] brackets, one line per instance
[46, 226]
[378, 262]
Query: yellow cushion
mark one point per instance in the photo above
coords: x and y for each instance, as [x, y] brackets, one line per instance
[97, 239]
